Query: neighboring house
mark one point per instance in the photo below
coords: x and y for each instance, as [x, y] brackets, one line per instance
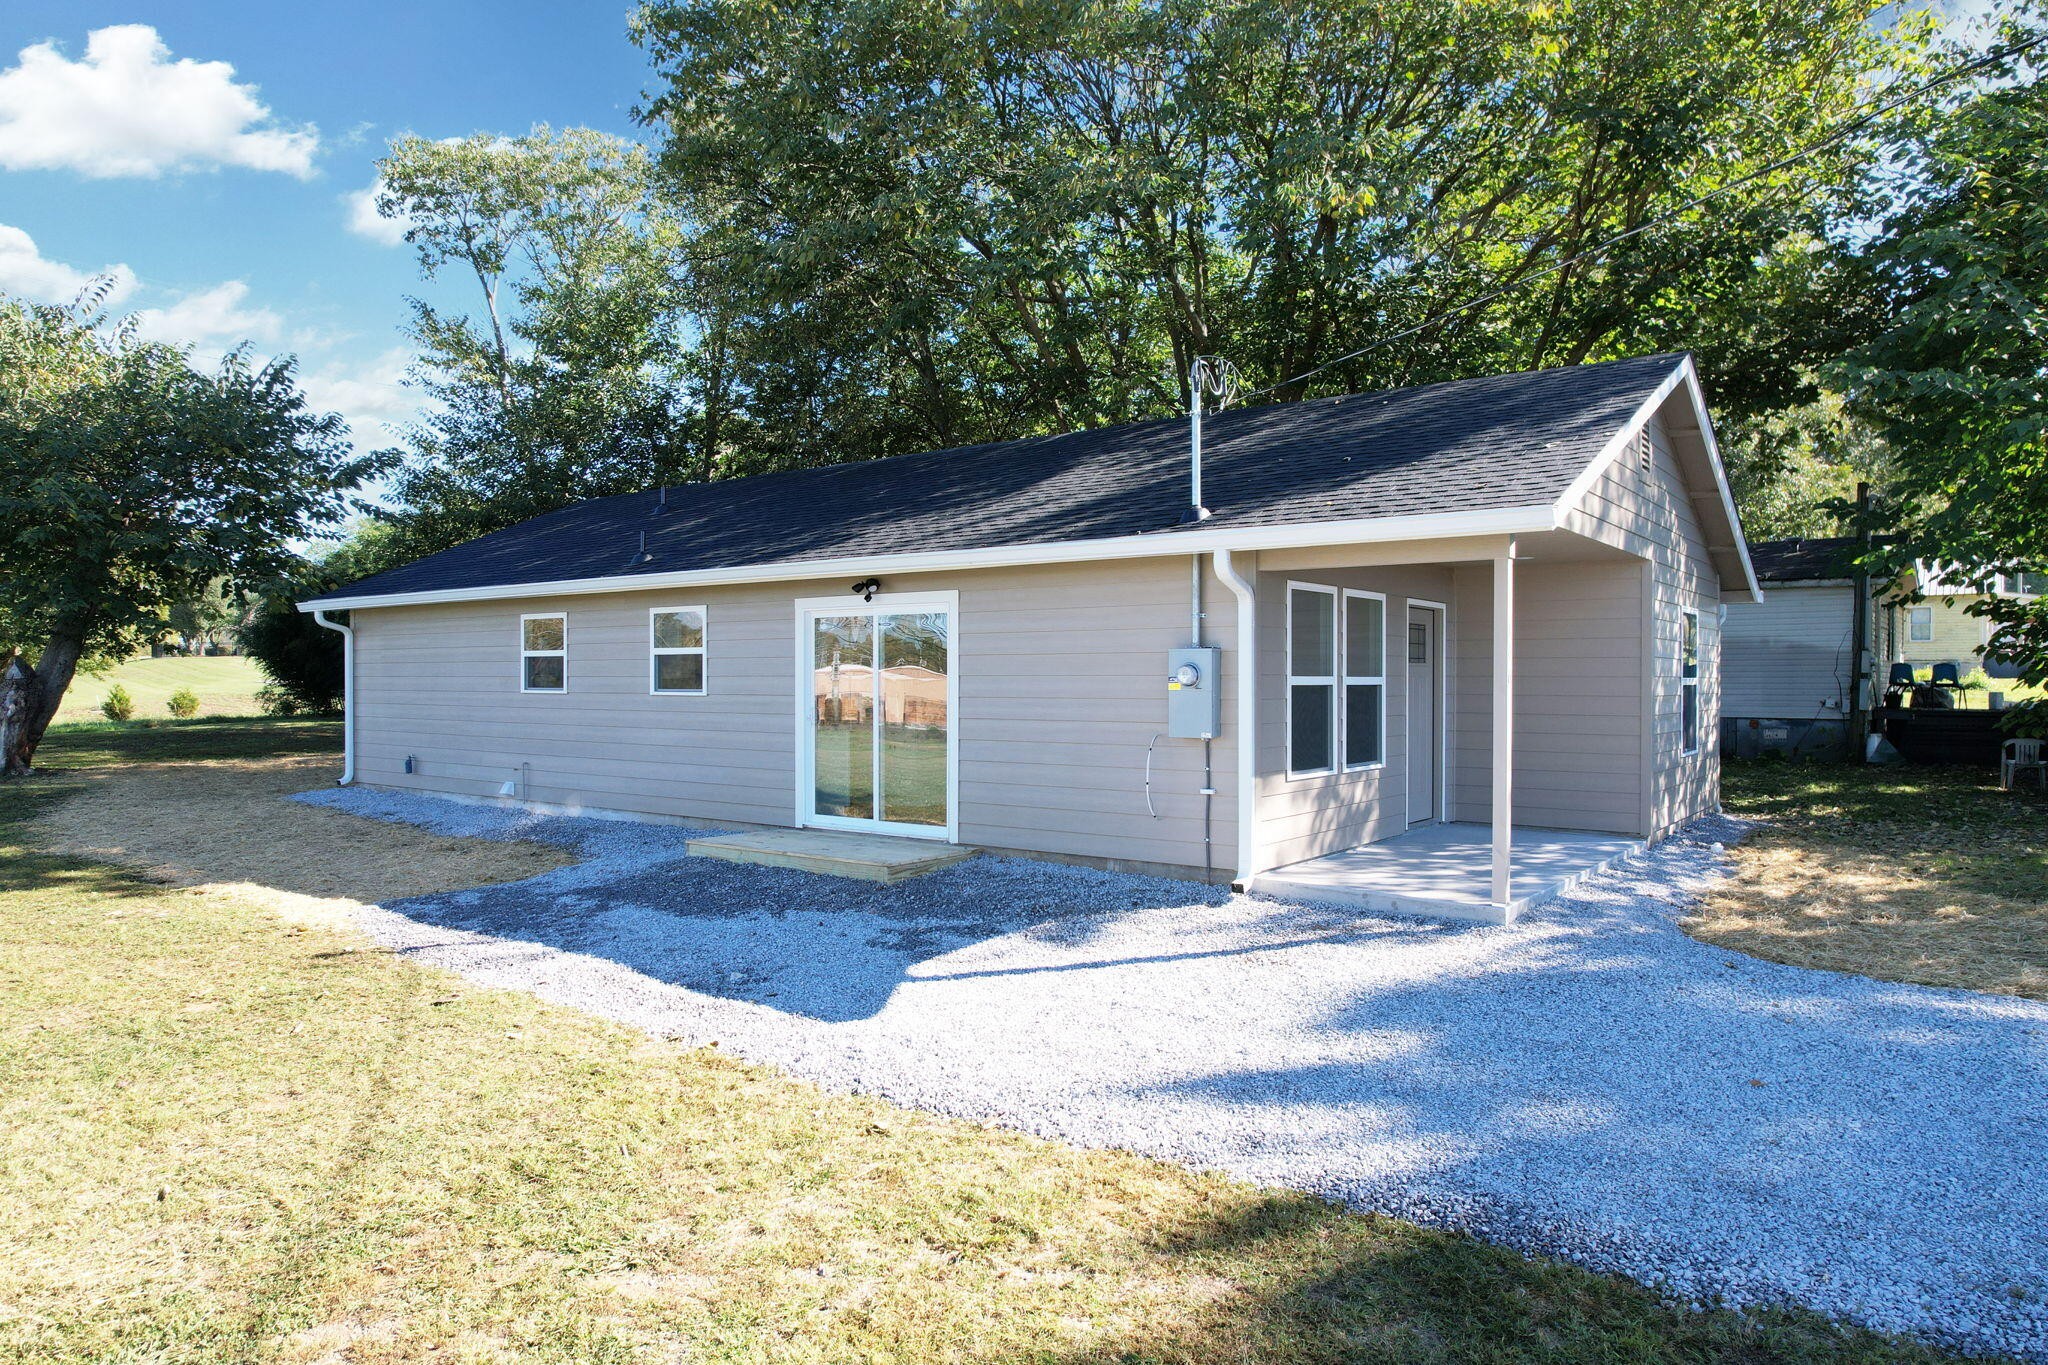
[1939, 628]
[1790, 671]
[1788, 663]
[1483, 601]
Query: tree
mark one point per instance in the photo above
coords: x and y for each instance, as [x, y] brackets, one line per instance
[916, 224]
[564, 385]
[1956, 381]
[301, 657]
[130, 481]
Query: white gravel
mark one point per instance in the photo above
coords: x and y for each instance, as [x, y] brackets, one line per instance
[1589, 1083]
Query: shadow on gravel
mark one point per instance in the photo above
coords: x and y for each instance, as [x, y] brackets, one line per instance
[828, 948]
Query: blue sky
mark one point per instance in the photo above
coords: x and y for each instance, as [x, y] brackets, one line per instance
[208, 153]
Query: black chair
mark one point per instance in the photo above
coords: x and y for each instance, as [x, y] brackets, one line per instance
[1948, 675]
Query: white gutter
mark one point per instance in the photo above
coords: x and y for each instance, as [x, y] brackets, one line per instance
[348, 697]
[1296, 535]
[1247, 714]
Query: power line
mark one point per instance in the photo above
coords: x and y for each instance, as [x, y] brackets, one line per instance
[1845, 130]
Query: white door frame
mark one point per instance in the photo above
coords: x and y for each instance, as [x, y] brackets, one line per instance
[808, 610]
[1442, 666]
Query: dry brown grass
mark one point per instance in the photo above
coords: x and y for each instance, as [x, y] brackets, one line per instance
[223, 826]
[1924, 875]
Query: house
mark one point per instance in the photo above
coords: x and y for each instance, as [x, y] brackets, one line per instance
[1938, 628]
[1788, 663]
[1790, 674]
[1480, 620]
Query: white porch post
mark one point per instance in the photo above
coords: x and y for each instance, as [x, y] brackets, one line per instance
[1503, 721]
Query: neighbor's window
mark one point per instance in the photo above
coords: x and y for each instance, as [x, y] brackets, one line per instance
[1365, 677]
[1311, 679]
[544, 653]
[1920, 624]
[677, 634]
[1689, 685]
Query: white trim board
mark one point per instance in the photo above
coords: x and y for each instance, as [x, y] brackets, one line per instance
[1423, 526]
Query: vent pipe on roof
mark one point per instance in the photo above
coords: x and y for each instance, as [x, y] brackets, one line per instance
[1209, 374]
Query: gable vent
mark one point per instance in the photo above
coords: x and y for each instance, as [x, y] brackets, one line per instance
[1643, 450]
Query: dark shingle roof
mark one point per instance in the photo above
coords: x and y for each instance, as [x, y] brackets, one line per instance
[1794, 561]
[1515, 440]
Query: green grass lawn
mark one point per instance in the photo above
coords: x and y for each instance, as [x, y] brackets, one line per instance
[233, 1134]
[226, 687]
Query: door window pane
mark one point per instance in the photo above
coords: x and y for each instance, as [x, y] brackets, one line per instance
[914, 718]
[843, 697]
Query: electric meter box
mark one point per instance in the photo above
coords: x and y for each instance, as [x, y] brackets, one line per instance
[1194, 693]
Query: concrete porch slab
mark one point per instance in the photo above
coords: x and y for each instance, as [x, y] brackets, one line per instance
[868, 857]
[1446, 871]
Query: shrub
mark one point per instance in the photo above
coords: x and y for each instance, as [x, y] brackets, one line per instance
[118, 705]
[277, 701]
[184, 703]
[301, 656]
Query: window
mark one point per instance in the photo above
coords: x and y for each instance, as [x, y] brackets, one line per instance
[1920, 624]
[1365, 680]
[544, 653]
[1689, 685]
[676, 639]
[1311, 679]
[2025, 584]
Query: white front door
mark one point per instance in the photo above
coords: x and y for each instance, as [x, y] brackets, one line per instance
[875, 690]
[1425, 738]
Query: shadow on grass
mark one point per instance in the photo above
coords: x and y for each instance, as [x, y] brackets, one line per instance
[94, 744]
[1301, 1281]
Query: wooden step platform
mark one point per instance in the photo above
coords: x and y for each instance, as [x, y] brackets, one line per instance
[869, 857]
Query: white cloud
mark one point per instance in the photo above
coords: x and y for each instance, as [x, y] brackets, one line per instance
[365, 221]
[26, 273]
[372, 397]
[129, 109]
[210, 321]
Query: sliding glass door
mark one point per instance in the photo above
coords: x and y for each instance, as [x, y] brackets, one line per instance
[877, 748]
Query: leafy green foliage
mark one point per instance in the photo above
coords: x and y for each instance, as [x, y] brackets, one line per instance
[131, 482]
[183, 704]
[915, 225]
[118, 705]
[565, 384]
[302, 657]
[1955, 382]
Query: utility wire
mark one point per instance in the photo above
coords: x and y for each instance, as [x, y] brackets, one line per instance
[1845, 130]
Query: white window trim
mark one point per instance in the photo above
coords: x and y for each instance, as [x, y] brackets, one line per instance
[1692, 618]
[562, 653]
[1913, 635]
[655, 653]
[1350, 679]
[1331, 680]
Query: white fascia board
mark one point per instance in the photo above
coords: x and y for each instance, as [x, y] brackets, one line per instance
[1503, 521]
[1686, 375]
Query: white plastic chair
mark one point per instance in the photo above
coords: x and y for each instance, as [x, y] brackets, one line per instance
[2021, 756]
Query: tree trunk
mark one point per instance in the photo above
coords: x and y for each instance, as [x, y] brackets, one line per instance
[17, 680]
[36, 697]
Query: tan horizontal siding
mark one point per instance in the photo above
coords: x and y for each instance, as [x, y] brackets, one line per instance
[1061, 689]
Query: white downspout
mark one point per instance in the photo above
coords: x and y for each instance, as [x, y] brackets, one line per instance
[1247, 714]
[348, 697]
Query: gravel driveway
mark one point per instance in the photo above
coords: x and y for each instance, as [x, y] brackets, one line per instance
[1589, 1083]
